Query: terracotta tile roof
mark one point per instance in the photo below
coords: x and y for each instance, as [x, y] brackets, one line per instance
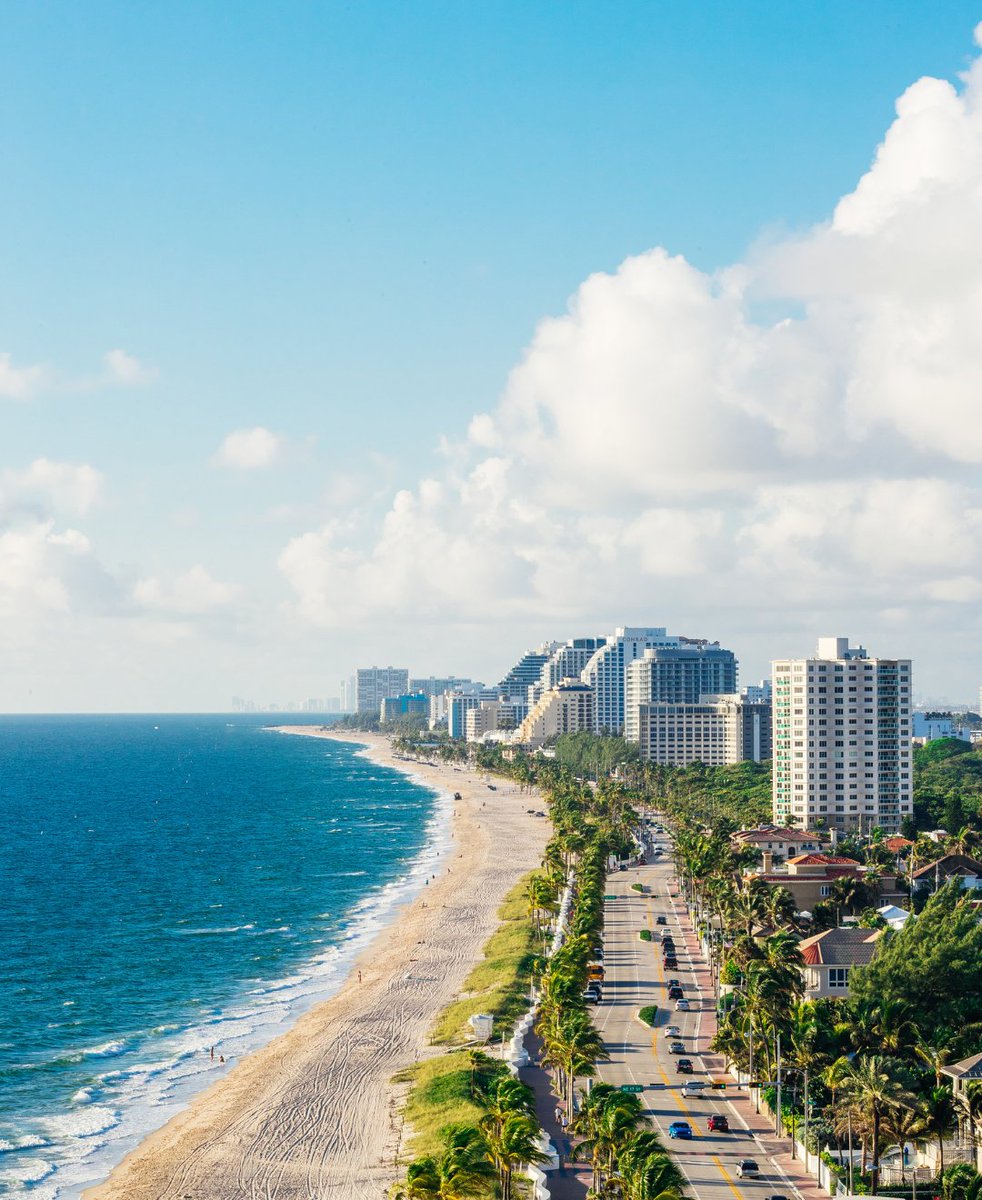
[840, 947]
[895, 844]
[830, 860]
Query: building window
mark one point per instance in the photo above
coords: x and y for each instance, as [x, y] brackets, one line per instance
[826, 889]
[838, 977]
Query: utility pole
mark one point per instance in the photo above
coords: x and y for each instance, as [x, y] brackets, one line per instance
[805, 1137]
[850, 1151]
[779, 1130]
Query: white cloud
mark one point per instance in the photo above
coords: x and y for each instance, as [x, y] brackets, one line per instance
[64, 487]
[19, 383]
[127, 370]
[249, 449]
[662, 443]
[44, 570]
[195, 593]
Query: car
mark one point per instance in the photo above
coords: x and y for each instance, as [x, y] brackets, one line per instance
[667, 946]
[592, 994]
[681, 1005]
[675, 993]
[656, 853]
[684, 1066]
[673, 1031]
[747, 1168]
[661, 919]
[671, 964]
[680, 1129]
[693, 1089]
[717, 1123]
[622, 867]
[675, 983]
[677, 1048]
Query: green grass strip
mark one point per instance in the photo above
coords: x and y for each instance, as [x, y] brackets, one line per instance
[499, 984]
[645, 935]
[648, 1014]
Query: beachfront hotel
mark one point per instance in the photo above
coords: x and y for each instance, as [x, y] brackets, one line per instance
[605, 673]
[567, 708]
[842, 739]
[676, 675]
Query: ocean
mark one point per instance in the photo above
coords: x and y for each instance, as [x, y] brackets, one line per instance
[169, 886]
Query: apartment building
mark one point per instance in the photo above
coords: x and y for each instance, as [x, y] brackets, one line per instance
[682, 674]
[842, 748]
[606, 672]
[375, 684]
[567, 708]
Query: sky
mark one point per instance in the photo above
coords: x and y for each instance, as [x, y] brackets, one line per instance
[333, 335]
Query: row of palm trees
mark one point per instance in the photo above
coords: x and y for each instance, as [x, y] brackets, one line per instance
[475, 1159]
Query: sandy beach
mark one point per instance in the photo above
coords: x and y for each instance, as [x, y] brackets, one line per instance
[314, 1113]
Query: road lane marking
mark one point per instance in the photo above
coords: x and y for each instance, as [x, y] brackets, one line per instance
[726, 1175]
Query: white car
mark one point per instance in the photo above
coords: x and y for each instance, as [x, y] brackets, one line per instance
[673, 1031]
[682, 1005]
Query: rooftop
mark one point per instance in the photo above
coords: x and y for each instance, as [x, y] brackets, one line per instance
[968, 1068]
[840, 947]
[951, 864]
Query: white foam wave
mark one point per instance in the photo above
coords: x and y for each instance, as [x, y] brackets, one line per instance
[91, 1138]
[31, 1171]
[106, 1050]
[216, 929]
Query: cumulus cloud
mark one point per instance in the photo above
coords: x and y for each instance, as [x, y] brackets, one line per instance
[44, 484]
[195, 593]
[249, 449]
[126, 370]
[19, 383]
[661, 439]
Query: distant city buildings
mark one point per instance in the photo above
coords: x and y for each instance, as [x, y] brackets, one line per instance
[842, 739]
[606, 672]
[410, 704]
[375, 684]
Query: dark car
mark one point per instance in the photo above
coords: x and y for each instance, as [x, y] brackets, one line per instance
[675, 983]
[667, 945]
[661, 920]
[684, 1066]
[680, 1129]
[675, 993]
[677, 1048]
[720, 1124]
[671, 963]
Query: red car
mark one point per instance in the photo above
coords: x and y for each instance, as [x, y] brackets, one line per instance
[718, 1124]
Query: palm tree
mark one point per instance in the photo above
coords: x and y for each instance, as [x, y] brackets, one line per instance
[513, 1142]
[938, 1108]
[903, 1125]
[647, 1172]
[461, 1171]
[871, 1086]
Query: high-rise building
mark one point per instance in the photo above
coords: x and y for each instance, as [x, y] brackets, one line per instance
[436, 686]
[567, 708]
[679, 674]
[527, 671]
[567, 662]
[606, 672]
[375, 684]
[717, 731]
[842, 748]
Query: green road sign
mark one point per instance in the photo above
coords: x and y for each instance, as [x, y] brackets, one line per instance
[718, 1087]
[632, 1087]
[610, 897]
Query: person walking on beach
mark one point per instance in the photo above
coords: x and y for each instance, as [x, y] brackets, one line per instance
[359, 976]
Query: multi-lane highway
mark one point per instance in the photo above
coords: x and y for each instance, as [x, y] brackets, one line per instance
[635, 977]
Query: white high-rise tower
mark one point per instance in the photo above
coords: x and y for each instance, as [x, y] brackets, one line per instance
[842, 748]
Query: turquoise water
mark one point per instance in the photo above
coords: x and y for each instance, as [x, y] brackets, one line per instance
[168, 885]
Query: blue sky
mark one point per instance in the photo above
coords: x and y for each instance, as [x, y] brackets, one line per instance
[343, 224]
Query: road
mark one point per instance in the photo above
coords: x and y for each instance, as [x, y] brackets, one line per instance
[635, 977]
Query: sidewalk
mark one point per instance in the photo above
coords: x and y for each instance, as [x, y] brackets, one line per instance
[572, 1180]
[760, 1125]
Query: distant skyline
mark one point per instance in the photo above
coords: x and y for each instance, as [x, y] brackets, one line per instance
[421, 333]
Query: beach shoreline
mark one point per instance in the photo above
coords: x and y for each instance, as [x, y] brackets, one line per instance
[314, 1112]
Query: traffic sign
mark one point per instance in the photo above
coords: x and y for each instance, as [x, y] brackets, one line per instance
[632, 1087]
[718, 1087]
[610, 897]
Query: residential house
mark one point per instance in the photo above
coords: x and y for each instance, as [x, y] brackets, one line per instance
[962, 1074]
[810, 878]
[950, 866]
[781, 843]
[830, 957]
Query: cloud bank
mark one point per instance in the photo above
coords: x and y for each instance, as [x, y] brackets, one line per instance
[802, 428]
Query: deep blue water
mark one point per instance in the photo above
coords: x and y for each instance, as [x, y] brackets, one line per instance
[170, 884]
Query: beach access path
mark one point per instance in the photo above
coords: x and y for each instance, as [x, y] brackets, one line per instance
[314, 1114]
